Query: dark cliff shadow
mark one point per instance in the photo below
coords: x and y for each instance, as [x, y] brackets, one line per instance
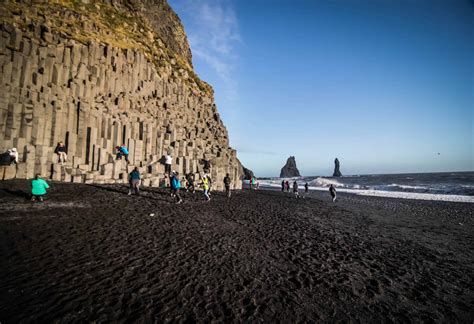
[18, 193]
[151, 194]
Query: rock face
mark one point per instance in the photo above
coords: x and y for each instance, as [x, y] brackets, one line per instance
[248, 174]
[97, 75]
[337, 172]
[290, 169]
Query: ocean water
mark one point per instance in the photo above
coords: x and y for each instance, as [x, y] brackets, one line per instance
[447, 186]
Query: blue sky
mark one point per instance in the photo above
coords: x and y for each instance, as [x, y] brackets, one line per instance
[383, 85]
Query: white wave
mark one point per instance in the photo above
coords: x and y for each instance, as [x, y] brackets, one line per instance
[325, 182]
[407, 187]
[381, 193]
[411, 195]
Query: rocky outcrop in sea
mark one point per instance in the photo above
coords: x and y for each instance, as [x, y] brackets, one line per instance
[337, 172]
[289, 169]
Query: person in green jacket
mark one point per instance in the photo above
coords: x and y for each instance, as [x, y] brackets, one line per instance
[38, 188]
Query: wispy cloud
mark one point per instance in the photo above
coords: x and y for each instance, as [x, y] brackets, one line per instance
[213, 33]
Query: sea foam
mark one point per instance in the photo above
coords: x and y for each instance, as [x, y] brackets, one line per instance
[370, 192]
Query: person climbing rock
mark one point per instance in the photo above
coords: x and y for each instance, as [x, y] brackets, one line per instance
[60, 150]
[124, 150]
[13, 155]
[206, 165]
[134, 181]
[38, 188]
[168, 162]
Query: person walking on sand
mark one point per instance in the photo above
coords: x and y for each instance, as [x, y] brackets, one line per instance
[332, 191]
[210, 185]
[306, 187]
[175, 186]
[295, 189]
[287, 186]
[282, 185]
[205, 186]
[227, 185]
[60, 150]
[38, 188]
[134, 180]
[168, 162]
[190, 184]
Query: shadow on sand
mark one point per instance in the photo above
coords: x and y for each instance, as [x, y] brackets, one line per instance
[18, 193]
[150, 194]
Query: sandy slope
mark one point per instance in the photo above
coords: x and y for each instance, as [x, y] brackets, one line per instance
[93, 253]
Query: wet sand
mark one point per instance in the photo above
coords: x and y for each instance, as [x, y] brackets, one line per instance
[92, 253]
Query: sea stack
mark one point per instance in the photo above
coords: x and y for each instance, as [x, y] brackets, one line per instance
[290, 170]
[120, 73]
[337, 172]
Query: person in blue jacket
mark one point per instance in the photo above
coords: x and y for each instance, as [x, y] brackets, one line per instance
[175, 186]
[122, 151]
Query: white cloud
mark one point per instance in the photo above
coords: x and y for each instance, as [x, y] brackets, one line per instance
[213, 34]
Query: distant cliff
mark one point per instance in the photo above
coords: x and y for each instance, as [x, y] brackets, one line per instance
[248, 174]
[289, 169]
[95, 75]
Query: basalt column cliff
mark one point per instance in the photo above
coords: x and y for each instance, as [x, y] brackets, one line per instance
[97, 74]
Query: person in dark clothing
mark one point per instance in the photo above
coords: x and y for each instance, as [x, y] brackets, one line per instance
[206, 166]
[306, 187]
[190, 179]
[175, 186]
[295, 189]
[118, 154]
[134, 180]
[282, 185]
[332, 191]
[287, 186]
[61, 151]
[227, 185]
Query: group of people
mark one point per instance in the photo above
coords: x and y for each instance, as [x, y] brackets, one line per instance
[285, 186]
[254, 184]
[39, 185]
[11, 155]
[205, 182]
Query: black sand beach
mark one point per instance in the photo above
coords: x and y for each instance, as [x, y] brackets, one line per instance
[92, 253]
